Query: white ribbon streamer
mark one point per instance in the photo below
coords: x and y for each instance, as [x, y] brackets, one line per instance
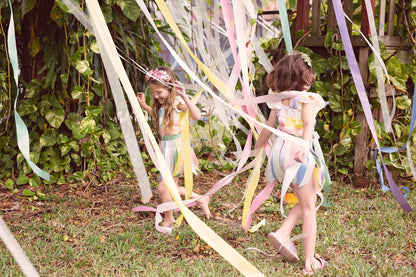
[122, 111]
[17, 252]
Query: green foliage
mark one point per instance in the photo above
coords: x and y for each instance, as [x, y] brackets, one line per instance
[67, 103]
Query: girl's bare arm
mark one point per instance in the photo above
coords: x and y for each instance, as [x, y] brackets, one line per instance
[142, 102]
[194, 112]
[265, 133]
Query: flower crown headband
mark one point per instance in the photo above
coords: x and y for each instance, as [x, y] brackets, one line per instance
[158, 75]
[304, 57]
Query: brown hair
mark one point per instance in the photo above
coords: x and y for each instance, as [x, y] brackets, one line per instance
[168, 105]
[292, 72]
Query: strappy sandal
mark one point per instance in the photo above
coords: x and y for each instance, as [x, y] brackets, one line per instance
[286, 249]
[310, 272]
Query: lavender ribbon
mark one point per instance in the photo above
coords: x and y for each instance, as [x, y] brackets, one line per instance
[355, 72]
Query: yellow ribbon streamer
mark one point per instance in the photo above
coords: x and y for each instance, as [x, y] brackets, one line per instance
[252, 185]
[187, 157]
[218, 83]
[208, 235]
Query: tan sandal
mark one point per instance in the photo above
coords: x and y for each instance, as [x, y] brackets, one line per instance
[286, 249]
[310, 272]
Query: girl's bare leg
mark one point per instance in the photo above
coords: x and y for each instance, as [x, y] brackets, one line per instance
[202, 202]
[168, 219]
[289, 223]
[307, 199]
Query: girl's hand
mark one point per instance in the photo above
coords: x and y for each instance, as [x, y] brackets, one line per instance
[301, 156]
[141, 98]
[180, 89]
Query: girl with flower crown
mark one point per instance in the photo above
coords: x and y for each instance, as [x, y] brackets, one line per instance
[170, 102]
[295, 115]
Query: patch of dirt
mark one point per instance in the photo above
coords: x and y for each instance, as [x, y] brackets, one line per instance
[120, 193]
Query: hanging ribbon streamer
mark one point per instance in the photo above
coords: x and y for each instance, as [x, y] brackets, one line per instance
[380, 78]
[128, 130]
[405, 145]
[355, 72]
[233, 257]
[383, 101]
[187, 156]
[281, 6]
[391, 150]
[17, 252]
[251, 187]
[21, 130]
[122, 113]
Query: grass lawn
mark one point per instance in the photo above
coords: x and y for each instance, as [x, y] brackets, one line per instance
[90, 230]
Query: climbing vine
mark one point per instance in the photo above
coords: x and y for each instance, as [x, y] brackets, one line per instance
[66, 102]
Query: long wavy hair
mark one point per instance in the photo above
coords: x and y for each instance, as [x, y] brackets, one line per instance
[168, 105]
[292, 72]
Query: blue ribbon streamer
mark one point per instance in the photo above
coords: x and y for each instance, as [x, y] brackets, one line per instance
[355, 72]
[393, 150]
[21, 129]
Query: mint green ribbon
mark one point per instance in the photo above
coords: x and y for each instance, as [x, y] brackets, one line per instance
[21, 129]
[281, 5]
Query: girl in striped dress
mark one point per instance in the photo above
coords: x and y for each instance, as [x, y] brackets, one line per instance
[170, 103]
[295, 116]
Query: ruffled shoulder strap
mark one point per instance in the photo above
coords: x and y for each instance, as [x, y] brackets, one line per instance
[312, 96]
[285, 95]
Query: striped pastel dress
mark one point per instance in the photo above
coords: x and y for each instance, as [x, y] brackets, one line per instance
[171, 140]
[282, 155]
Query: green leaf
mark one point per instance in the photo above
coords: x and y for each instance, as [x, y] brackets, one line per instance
[93, 111]
[130, 9]
[320, 65]
[343, 171]
[87, 126]
[94, 47]
[200, 123]
[114, 133]
[76, 159]
[65, 148]
[322, 88]
[355, 128]
[337, 122]
[108, 13]
[28, 193]
[335, 103]
[55, 117]
[64, 79]
[84, 67]
[398, 73]
[328, 39]
[106, 137]
[34, 181]
[337, 45]
[40, 194]
[71, 121]
[10, 184]
[48, 138]
[403, 102]
[27, 106]
[339, 150]
[62, 5]
[55, 163]
[22, 180]
[345, 65]
[33, 88]
[77, 92]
